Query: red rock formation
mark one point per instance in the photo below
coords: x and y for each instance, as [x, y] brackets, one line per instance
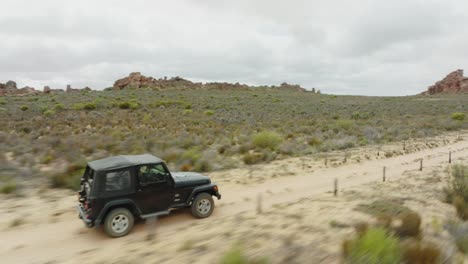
[454, 82]
[136, 80]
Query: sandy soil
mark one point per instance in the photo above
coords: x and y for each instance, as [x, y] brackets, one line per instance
[301, 220]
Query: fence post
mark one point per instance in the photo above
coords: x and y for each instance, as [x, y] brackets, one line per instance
[450, 157]
[326, 160]
[151, 228]
[335, 187]
[250, 172]
[259, 203]
[420, 164]
[383, 177]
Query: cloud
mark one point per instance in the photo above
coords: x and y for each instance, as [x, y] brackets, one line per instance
[369, 47]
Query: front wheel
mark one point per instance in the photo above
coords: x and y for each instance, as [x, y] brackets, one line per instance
[202, 205]
[118, 222]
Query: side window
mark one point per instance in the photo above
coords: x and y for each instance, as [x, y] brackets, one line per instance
[154, 173]
[117, 181]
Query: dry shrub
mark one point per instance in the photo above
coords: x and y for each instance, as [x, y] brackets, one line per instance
[410, 225]
[384, 221]
[457, 192]
[459, 232]
[416, 252]
[253, 158]
[361, 228]
[186, 167]
[461, 206]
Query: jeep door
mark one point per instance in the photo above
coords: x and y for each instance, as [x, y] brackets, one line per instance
[154, 191]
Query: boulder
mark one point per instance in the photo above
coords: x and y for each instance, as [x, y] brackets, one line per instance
[11, 85]
[46, 90]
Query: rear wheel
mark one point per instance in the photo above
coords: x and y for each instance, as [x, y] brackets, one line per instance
[118, 222]
[202, 205]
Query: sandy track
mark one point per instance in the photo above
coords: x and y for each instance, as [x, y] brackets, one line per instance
[66, 238]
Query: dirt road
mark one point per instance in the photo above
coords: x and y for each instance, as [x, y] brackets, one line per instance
[65, 238]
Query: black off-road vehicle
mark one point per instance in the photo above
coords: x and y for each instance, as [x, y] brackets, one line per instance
[115, 190]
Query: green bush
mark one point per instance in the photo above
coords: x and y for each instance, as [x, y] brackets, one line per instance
[209, 112]
[267, 140]
[458, 116]
[132, 104]
[89, 106]
[124, 105]
[8, 187]
[49, 113]
[376, 246]
[85, 106]
[234, 256]
[24, 108]
[59, 107]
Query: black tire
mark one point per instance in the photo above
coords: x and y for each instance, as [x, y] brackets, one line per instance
[118, 222]
[202, 205]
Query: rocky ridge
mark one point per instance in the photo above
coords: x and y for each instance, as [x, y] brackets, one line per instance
[136, 80]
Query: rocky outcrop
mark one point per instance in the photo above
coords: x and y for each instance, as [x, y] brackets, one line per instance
[452, 83]
[136, 80]
[10, 88]
[291, 87]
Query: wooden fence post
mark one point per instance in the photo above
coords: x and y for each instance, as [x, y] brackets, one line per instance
[450, 157]
[420, 164]
[151, 228]
[259, 203]
[335, 187]
[383, 177]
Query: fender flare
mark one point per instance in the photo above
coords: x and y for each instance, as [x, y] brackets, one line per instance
[199, 189]
[106, 208]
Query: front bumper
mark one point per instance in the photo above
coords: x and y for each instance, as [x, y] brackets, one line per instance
[218, 195]
[83, 216]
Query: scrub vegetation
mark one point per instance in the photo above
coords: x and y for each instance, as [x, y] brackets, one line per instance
[206, 130]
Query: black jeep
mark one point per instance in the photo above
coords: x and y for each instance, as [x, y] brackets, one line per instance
[114, 190]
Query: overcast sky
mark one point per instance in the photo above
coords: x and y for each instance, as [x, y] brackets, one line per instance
[389, 47]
